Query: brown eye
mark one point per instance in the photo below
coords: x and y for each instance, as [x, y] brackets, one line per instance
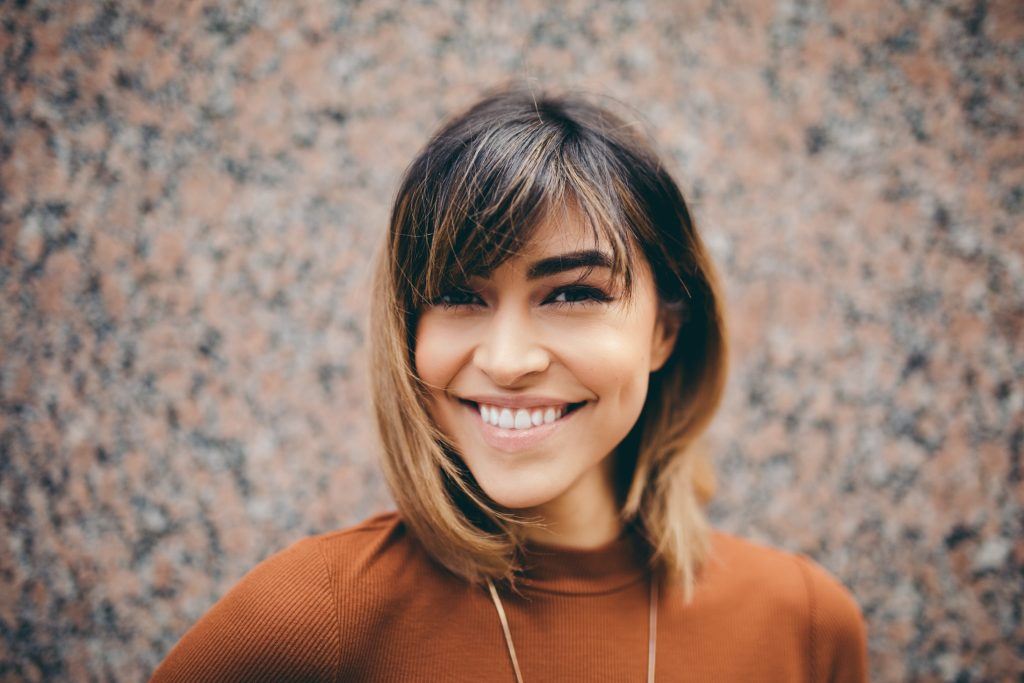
[577, 294]
[572, 295]
[454, 298]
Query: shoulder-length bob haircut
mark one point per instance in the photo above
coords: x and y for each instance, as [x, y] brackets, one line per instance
[465, 204]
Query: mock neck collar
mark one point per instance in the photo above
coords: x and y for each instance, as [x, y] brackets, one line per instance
[614, 565]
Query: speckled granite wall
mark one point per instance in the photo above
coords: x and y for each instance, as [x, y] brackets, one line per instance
[190, 193]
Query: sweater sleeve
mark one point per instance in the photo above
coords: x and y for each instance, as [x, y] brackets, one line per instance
[838, 630]
[278, 623]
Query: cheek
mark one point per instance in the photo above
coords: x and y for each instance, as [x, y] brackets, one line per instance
[611, 362]
[437, 353]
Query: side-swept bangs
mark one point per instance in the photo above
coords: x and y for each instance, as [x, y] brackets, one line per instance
[470, 200]
[473, 198]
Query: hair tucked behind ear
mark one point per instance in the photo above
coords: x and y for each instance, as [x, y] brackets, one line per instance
[467, 201]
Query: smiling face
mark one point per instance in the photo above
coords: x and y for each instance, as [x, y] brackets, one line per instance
[559, 360]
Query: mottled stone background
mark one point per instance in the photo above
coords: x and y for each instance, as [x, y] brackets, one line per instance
[191, 193]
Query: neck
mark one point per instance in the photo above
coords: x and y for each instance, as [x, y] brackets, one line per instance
[584, 516]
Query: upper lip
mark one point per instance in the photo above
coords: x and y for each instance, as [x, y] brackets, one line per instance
[525, 401]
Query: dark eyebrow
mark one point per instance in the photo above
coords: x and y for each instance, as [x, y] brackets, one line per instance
[552, 265]
[568, 261]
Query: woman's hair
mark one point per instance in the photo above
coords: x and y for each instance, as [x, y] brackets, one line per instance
[468, 201]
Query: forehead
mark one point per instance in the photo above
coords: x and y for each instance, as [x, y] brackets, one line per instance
[561, 232]
[563, 229]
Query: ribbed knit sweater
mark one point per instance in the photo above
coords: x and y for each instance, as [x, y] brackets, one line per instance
[367, 603]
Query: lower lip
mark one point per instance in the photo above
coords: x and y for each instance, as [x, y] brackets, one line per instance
[516, 440]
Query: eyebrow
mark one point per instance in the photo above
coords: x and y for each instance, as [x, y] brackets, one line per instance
[569, 261]
[552, 265]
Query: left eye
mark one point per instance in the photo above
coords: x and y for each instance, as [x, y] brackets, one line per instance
[570, 295]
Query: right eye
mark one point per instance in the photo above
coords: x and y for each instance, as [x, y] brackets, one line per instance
[454, 298]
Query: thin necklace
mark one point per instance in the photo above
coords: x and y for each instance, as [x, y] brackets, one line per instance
[651, 630]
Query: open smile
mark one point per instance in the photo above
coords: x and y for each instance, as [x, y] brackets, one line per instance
[520, 429]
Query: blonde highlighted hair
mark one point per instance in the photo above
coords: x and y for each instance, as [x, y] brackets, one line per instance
[466, 203]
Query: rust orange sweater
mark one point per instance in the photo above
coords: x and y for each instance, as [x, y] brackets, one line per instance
[366, 603]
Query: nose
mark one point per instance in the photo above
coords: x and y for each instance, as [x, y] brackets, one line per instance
[508, 350]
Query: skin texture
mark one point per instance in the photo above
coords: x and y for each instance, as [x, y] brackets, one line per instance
[509, 335]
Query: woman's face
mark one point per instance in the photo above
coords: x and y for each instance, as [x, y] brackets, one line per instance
[539, 351]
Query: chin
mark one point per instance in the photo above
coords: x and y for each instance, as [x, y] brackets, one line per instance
[519, 495]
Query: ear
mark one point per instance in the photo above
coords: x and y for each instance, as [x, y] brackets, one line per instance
[666, 330]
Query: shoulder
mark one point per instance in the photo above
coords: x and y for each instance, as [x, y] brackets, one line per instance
[314, 568]
[838, 628]
[377, 564]
[368, 548]
[377, 569]
[798, 589]
[283, 618]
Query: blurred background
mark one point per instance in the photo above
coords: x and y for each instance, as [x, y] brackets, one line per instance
[190, 194]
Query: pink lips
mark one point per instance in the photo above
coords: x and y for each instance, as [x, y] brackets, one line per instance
[516, 440]
[531, 401]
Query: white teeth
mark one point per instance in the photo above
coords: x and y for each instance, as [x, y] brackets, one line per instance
[506, 421]
[521, 418]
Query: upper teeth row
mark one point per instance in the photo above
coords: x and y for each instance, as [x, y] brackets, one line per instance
[506, 418]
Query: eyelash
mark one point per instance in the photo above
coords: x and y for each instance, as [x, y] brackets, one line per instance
[593, 294]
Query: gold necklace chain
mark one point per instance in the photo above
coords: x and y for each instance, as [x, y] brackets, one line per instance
[651, 630]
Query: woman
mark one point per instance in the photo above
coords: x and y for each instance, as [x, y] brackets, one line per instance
[548, 344]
